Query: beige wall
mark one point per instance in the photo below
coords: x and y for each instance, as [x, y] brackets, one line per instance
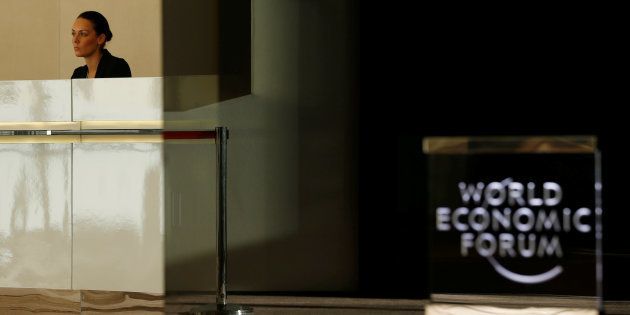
[29, 47]
[35, 41]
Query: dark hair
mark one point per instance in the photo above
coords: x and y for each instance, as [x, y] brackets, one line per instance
[99, 22]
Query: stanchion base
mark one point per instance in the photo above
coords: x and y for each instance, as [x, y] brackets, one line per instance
[230, 309]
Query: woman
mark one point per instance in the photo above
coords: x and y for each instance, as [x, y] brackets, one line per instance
[90, 33]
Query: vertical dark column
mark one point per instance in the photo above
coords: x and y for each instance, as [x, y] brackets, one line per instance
[234, 48]
[190, 37]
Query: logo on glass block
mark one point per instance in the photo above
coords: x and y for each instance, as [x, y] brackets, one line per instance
[509, 220]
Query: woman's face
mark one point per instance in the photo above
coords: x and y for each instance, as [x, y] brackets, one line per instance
[84, 38]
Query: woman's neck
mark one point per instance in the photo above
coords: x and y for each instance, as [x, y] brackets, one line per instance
[92, 62]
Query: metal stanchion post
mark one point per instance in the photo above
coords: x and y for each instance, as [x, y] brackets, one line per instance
[222, 307]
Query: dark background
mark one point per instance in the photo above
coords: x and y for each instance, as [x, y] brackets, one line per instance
[453, 70]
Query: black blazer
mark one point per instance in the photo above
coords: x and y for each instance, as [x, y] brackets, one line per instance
[108, 67]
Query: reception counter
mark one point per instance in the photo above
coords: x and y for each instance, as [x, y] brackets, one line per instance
[82, 211]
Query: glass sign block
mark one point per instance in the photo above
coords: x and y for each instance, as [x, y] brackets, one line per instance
[514, 216]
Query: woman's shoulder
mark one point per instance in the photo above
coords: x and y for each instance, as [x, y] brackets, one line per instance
[116, 60]
[120, 62]
[115, 67]
[79, 73]
[120, 68]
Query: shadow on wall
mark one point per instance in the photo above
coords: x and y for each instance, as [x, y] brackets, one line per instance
[291, 156]
[207, 38]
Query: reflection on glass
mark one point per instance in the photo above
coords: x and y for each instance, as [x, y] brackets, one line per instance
[35, 215]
